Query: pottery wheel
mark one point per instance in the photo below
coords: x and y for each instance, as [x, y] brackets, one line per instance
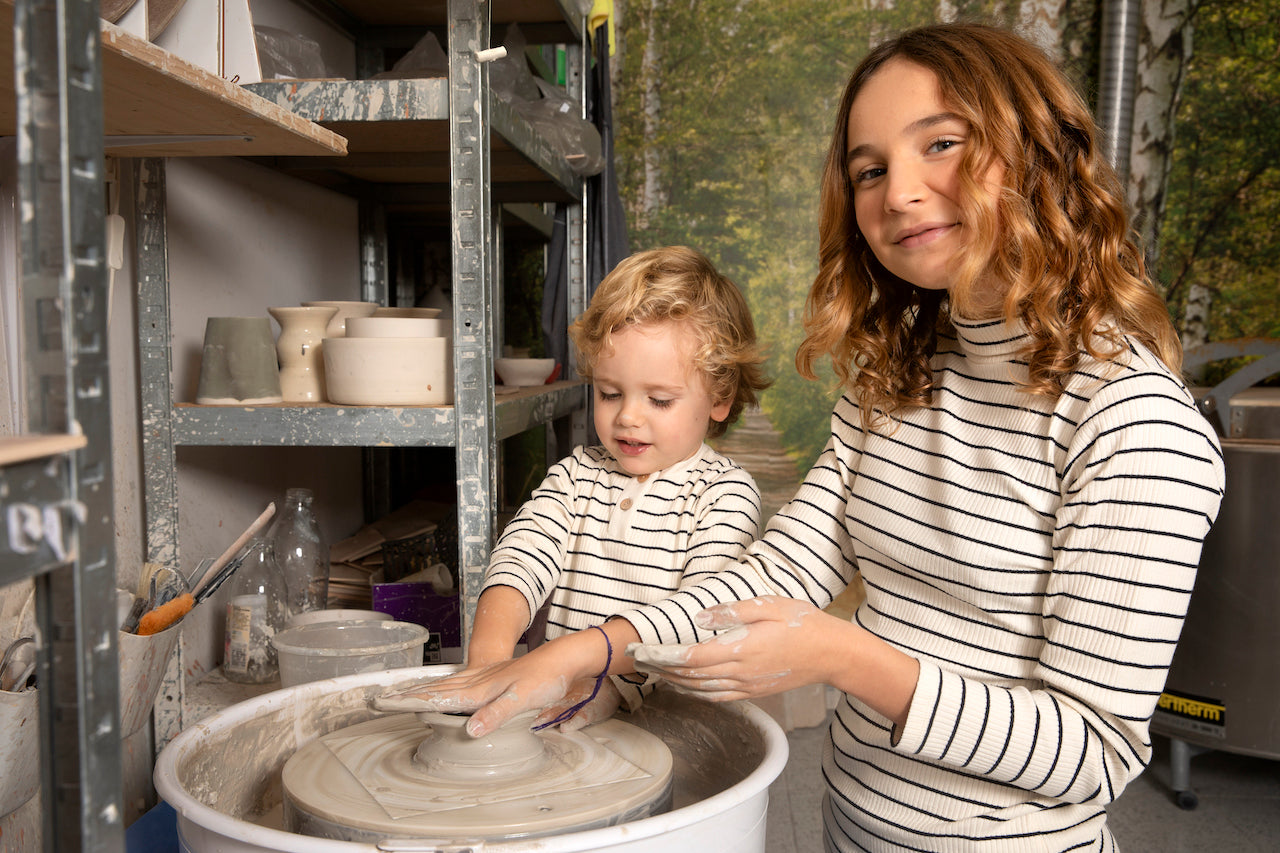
[393, 777]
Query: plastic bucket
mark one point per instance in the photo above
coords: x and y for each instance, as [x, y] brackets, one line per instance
[330, 649]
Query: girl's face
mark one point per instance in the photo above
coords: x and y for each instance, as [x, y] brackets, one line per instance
[903, 158]
[652, 407]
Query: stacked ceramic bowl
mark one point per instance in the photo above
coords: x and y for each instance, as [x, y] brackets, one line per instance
[390, 361]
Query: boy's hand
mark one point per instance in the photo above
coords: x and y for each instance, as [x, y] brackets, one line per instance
[600, 708]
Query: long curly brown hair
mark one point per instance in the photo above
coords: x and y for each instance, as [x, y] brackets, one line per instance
[1057, 236]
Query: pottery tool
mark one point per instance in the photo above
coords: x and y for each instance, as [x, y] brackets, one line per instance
[156, 620]
[220, 578]
[168, 601]
[130, 623]
[18, 664]
[236, 547]
[144, 580]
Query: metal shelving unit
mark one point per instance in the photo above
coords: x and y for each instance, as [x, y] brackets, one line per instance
[443, 146]
[70, 86]
[56, 480]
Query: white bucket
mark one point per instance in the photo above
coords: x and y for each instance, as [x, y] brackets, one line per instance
[727, 755]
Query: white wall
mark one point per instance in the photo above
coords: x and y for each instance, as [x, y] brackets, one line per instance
[243, 238]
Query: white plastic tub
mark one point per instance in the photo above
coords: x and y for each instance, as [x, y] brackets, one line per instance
[310, 652]
[727, 755]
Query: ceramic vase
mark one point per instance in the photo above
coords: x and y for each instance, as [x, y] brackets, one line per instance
[302, 330]
[238, 363]
[337, 326]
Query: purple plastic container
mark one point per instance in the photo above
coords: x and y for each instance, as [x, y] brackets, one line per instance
[417, 602]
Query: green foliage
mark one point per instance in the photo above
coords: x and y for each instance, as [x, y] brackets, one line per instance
[1223, 208]
[748, 91]
[523, 273]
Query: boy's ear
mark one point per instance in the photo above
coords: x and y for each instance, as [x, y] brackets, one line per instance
[720, 411]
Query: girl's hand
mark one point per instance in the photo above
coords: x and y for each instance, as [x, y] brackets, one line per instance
[772, 644]
[600, 708]
[493, 693]
[769, 645]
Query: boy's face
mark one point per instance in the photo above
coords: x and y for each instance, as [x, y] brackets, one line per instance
[652, 408]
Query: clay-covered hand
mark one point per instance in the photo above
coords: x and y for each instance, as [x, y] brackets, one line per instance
[770, 644]
[601, 707]
[496, 693]
[493, 694]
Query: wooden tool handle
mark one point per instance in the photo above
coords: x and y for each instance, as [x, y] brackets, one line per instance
[250, 532]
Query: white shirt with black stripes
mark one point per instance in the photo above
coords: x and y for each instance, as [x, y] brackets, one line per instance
[596, 540]
[1036, 555]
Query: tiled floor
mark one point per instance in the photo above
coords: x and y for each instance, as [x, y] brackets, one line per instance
[1238, 812]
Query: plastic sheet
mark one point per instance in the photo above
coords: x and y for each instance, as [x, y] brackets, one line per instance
[283, 55]
[425, 59]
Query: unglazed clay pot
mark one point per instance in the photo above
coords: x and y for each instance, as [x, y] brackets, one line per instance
[302, 329]
[337, 326]
[398, 327]
[388, 371]
[238, 363]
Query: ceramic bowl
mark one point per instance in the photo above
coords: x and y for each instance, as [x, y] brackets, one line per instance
[387, 371]
[524, 371]
[398, 327]
[429, 313]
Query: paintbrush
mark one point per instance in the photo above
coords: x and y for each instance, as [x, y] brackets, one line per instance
[236, 547]
[220, 578]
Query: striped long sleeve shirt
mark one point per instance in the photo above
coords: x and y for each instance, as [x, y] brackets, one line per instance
[596, 540]
[1036, 555]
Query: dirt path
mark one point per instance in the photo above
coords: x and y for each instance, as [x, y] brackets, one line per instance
[755, 445]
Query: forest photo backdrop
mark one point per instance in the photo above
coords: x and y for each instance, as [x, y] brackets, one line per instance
[723, 111]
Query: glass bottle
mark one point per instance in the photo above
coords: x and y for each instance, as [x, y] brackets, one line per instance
[255, 612]
[301, 552]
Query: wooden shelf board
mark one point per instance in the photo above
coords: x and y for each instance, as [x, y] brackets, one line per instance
[24, 448]
[148, 92]
[565, 25]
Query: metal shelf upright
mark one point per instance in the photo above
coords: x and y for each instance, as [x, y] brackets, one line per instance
[57, 479]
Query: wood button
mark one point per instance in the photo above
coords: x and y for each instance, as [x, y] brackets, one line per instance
[626, 503]
[643, 477]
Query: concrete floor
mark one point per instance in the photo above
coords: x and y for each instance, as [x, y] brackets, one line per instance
[1238, 812]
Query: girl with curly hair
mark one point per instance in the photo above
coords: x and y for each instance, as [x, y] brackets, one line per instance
[1015, 468]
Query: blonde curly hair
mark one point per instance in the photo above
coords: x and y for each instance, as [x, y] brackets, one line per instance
[1058, 234]
[678, 284]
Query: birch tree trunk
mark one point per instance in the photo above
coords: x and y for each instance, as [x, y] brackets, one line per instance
[618, 61]
[652, 194]
[1163, 51]
[1042, 22]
